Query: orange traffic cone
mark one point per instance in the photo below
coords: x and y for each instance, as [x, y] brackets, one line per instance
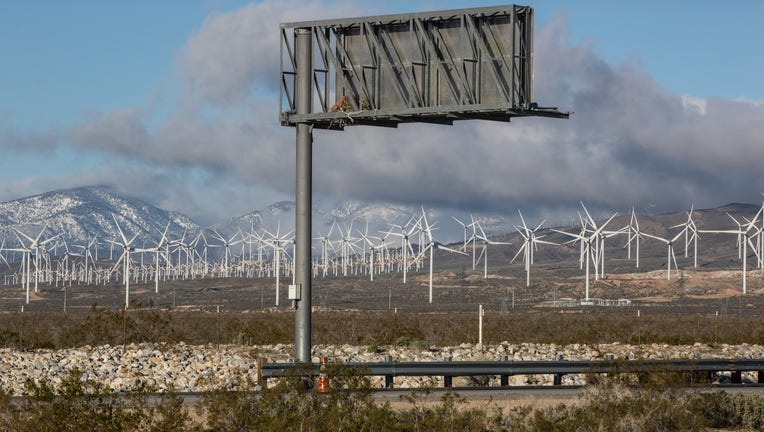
[322, 384]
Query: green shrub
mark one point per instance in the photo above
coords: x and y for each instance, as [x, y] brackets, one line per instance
[85, 405]
[733, 410]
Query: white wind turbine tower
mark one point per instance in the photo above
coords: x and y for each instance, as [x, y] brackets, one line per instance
[127, 247]
[598, 255]
[385, 258]
[582, 233]
[530, 240]
[25, 270]
[372, 247]
[35, 246]
[195, 253]
[464, 226]
[690, 235]
[431, 246]
[750, 225]
[371, 255]
[346, 247]
[226, 244]
[405, 244]
[276, 242]
[325, 245]
[473, 224]
[88, 256]
[157, 251]
[587, 246]
[670, 256]
[484, 252]
[2, 257]
[744, 241]
[634, 235]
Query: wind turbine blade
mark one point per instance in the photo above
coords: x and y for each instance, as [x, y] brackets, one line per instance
[540, 225]
[656, 237]
[448, 249]
[519, 251]
[522, 219]
[598, 230]
[589, 216]
[41, 231]
[121, 234]
[17, 232]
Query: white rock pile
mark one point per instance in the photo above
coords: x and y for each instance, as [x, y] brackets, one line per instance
[187, 368]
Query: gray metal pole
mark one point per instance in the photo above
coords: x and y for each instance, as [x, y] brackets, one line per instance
[303, 198]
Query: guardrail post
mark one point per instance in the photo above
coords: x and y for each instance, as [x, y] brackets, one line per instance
[389, 379]
[760, 377]
[447, 380]
[504, 378]
[557, 379]
[737, 377]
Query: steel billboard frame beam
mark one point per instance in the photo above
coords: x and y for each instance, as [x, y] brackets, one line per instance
[436, 67]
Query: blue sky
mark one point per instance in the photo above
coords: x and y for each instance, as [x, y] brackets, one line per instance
[70, 68]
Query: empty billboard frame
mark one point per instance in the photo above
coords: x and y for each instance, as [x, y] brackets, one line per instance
[433, 67]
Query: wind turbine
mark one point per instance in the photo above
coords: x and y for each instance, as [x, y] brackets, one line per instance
[530, 240]
[670, 256]
[88, 256]
[127, 247]
[35, 245]
[484, 252]
[464, 226]
[431, 246]
[405, 234]
[347, 246]
[157, 250]
[25, 270]
[598, 256]
[586, 241]
[276, 242]
[226, 244]
[325, 245]
[744, 240]
[634, 235]
[691, 236]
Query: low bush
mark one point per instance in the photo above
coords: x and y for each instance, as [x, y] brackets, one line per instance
[624, 403]
[85, 405]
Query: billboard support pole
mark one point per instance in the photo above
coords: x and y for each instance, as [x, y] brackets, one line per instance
[303, 196]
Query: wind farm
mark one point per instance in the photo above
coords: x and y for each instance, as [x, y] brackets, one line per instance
[427, 262]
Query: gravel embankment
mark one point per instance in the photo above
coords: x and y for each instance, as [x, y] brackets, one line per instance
[187, 368]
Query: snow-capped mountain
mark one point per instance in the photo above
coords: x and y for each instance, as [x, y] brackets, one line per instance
[79, 214]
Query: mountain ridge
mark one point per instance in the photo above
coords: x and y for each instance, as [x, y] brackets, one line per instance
[89, 211]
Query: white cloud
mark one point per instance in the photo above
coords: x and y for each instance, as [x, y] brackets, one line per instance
[629, 142]
[694, 104]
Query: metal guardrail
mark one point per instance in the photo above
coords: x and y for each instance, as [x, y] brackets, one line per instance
[558, 368]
